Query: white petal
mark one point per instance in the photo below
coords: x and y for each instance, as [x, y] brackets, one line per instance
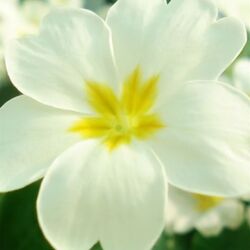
[210, 224]
[92, 194]
[181, 41]
[206, 144]
[181, 212]
[73, 46]
[31, 137]
[231, 212]
[241, 75]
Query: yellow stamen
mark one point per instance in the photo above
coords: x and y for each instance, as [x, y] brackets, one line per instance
[205, 202]
[119, 120]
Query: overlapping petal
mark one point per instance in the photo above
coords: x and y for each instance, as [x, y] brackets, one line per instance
[72, 47]
[181, 41]
[241, 75]
[90, 194]
[31, 137]
[205, 147]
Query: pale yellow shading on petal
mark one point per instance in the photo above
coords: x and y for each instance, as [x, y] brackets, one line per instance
[205, 202]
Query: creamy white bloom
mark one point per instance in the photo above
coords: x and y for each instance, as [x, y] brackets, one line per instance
[110, 104]
[237, 8]
[30, 14]
[207, 214]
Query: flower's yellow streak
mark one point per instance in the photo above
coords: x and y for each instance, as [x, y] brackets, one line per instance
[205, 202]
[119, 120]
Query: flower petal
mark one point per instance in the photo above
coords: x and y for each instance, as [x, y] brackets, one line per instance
[73, 46]
[116, 197]
[232, 213]
[241, 75]
[31, 136]
[180, 41]
[181, 212]
[206, 144]
[210, 224]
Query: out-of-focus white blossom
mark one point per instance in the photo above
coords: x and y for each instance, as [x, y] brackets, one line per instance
[237, 8]
[30, 14]
[68, 3]
[18, 20]
[207, 214]
[9, 22]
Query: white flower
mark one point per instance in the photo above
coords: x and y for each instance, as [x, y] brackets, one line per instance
[108, 105]
[209, 215]
[30, 16]
[237, 8]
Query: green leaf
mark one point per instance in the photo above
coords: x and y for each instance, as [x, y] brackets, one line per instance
[7, 91]
[246, 50]
[19, 229]
[161, 243]
[97, 247]
[228, 240]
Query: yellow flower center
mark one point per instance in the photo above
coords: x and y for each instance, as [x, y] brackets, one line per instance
[204, 202]
[120, 119]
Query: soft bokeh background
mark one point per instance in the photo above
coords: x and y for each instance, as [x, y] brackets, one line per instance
[19, 229]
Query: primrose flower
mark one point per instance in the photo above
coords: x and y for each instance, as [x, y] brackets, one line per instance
[237, 8]
[112, 107]
[207, 214]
